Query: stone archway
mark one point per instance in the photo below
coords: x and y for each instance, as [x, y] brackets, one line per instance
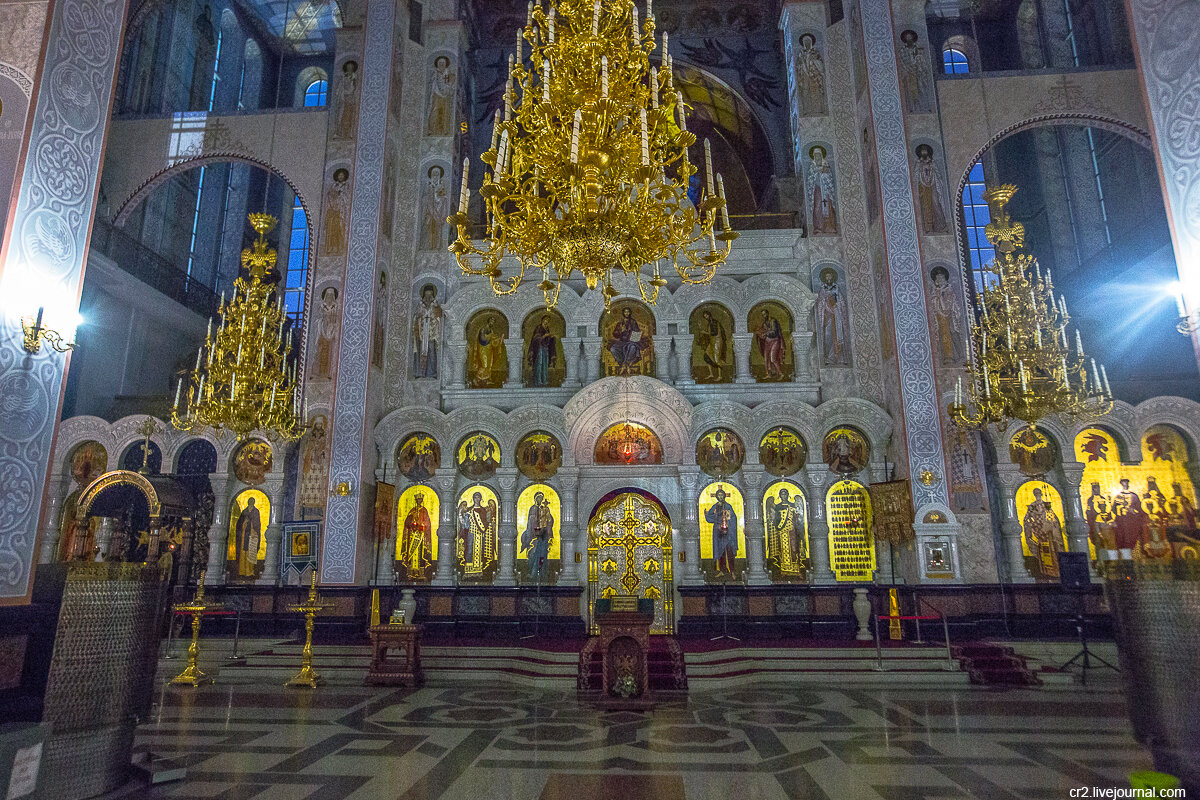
[630, 553]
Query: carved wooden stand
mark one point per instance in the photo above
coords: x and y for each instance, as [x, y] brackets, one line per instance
[395, 656]
[624, 645]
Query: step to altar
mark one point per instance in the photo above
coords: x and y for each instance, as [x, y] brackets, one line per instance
[556, 664]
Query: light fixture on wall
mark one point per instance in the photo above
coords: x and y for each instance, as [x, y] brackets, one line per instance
[1188, 323]
[589, 162]
[1022, 366]
[36, 332]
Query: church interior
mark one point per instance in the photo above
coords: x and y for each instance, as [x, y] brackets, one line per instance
[599, 398]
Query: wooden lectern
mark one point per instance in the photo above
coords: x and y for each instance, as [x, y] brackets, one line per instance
[623, 642]
[395, 656]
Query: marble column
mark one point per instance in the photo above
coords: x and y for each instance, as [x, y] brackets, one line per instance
[516, 359]
[105, 532]
[570, 346]
[742, 342]
[1010, 524]
[818, 528]
[56, 495]
[447, 535]
[45, 250]
[591, 357]
[683, 351]
[662, 360]
[350, 437]
[274, 533]
[756, 539]
[456, 359]
[570, 530]
[385, 553]
[1075, 522]
[802, 356]
[689, 492]
[218, 532]
[506, 574]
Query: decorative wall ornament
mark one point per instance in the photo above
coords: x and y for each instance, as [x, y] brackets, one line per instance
[845, 451]
[419, 457]
[782, 452]
[539, 455]
[252, 462]
[478, 456]
[720, 452]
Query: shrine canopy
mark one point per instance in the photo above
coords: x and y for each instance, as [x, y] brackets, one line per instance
[157, 496]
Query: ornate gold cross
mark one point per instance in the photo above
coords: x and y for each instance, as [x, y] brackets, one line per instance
[630, 541]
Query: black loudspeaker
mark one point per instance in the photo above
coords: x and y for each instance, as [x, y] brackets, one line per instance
[1073, 571]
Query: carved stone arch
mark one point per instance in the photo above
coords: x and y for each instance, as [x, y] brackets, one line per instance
[641, 399]
[723, 414]
[528, 419]
[1120, 423]
[785, 289]
[179, 443]
[392, 429]
[722, 291]
[1178, 412]
[855, 412]
[18, 77]
[800, 417]
[73, 432]
[468, 419]
[940, 508]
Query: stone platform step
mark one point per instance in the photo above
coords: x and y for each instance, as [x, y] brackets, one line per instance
[712, 666]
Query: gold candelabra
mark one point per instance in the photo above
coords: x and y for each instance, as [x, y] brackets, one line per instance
[245, 378]
[1022, 366]
[308, 676]
[191, 675]
[589, 161]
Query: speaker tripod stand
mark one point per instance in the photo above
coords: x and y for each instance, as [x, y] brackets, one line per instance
[1085, 652]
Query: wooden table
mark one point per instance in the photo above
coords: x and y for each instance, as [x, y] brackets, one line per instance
[395, 656]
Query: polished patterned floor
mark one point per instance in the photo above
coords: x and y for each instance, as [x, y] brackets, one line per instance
[767, 742]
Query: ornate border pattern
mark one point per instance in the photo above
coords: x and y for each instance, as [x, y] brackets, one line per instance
[914, 350]
[18, 77]
[50, 224]
[350, 400]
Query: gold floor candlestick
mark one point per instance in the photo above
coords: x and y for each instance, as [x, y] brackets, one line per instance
[308, 676]
[191, 675]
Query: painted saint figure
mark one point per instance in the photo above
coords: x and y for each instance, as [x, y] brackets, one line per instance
[724, 533]
[947, 315]
[477, 544]
[627, 342]
[249, 533]
[379, 320]
[435, 209]
[713, 342]
[820, 192]
[831, 319]
[347, 114]
[916, 79]
[1130, 524]
[539, 530]
[543, 352]
[328, 324]
[768, 338]
[1100, 518]
[1043, 535]
[418, 538]
[931, 191]
[810, 77]
[427, 331]
[487, 368]
[337, 209]
[441, 98]
[786, 546]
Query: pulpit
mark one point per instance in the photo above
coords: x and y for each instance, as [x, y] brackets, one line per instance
[395, 656]
[623, 645]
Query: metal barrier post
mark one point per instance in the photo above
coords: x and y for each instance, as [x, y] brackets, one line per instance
[170, 637]
[237, 630]
[946, 633]
[878, 649]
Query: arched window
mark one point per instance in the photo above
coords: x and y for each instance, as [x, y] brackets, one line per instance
[296, 277]
[954, 62]
[316, 94]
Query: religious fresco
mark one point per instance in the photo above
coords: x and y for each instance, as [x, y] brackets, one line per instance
[426, 333]
[417, 534]
[949, 326]
[720, 452]
[539, 541]
[328, 324]
[628, 330]
[313, 491]
[820, 192]
[545, 363]
[916, 75]
[722, 532]
[845, 451]
[88, 461]
[966, 478]
[337, 214]
[346, 111]
[539, 455]
[1033, 452]
[1146, 510]
[782, 452]
[418, 457]
[628, 443]
[771, 357]
[379, 321]
[785, 521]
[931, 191]
[851, 544]
[434, 208]
[478, 456]
[477, 539]
[442, 84]
[711, 326]
[1043, 534]
[630, 553]
[808, 72]
[252, 462]
[487, 356]
[832, 318]
[385, 511]
[249, 516]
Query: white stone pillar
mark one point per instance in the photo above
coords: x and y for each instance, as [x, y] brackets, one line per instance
[274, 533]
[56, 495]
[802, 356]
[1010, 524]
[570, 346]
[515, 350]
[689, 492]
[683, 351]
[1076, 521]
[457, 358]
[506, 574]
[742, 342]
[662, 360]
[447, 529]
[591, 357]
[104, 536]
[570, 530]
[818, 528]
[218, 531]
[756, 540]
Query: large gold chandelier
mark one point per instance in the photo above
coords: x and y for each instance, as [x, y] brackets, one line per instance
[1022, 366]
[588, 162]
[244, 380]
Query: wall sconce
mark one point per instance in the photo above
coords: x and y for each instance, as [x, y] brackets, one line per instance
[36, 333]
[342, 489]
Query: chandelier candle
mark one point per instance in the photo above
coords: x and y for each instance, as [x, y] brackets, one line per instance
[587, 171]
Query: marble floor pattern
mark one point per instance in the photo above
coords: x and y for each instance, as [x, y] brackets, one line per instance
[768, 741]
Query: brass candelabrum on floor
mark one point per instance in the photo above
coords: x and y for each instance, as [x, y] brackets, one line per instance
[191, 675]
[308, 676]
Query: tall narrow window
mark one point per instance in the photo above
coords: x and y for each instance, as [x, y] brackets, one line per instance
[975, 209]
[317, 94]
[296, 276]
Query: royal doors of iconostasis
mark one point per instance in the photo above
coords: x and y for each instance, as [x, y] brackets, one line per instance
[630, 553]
